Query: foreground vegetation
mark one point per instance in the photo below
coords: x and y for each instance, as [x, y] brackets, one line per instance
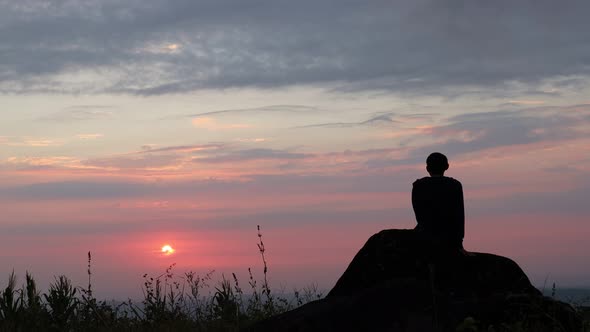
[187, 302]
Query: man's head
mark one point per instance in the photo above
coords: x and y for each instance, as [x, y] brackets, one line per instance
[437, 164]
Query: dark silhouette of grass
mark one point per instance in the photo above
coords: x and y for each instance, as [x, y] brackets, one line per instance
[171, 302]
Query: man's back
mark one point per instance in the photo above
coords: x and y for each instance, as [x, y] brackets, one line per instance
[438, 205]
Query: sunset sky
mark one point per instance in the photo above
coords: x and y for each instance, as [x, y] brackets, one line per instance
[128, 125]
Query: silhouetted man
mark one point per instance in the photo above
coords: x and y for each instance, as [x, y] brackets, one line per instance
[438, 204]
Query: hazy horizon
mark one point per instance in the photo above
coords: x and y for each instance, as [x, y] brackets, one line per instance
[128, 125]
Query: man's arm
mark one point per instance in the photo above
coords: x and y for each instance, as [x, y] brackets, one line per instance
[416, 204]
[460, 211]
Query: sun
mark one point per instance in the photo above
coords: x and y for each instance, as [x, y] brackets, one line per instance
[167, 250]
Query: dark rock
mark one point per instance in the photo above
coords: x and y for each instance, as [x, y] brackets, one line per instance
[401, 281]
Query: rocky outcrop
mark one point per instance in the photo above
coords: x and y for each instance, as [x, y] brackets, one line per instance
[399, 281]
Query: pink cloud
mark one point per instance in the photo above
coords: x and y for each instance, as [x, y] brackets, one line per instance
[89, 136]
[213, 124]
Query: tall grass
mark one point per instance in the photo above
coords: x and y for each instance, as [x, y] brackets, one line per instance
[171, 302]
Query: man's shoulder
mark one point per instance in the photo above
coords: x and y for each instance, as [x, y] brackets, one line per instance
[453, 180]
[421, 181]
[429, 180]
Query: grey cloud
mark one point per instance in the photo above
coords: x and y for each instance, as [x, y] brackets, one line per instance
[200, 153]
[417, 116]
[264, 109]
[495, 129]
[182, 148]
[527, 125]
[84, 189]
[569, 203]
[329, 125]
[246, 220]
[284, 218]
[399, 181]
[263, 184]
[80, 113]
[417, 45]
[150, 157]
[134, 162]
[253, 154]
[74, 190]
[376, 120]
[504, 129]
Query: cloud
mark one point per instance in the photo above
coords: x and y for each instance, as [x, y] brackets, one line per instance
[80, 113]
[167, 48]
[143, 161]
[89, 136]
[56, 161]
[168, 160]
[461, 136]
[186, 157]
[477, 132]
[376, 120]
[516, 127]
[569, 202]
[252, 140]
[168, 157]
[253, 154]
[40, 142]
[212, 124]
[30, 141]
[182, 148]
[255, 110]
[282, 195]
[526, 102]
[455, 136]
[273, 185]
[180, 46]
[74, 190]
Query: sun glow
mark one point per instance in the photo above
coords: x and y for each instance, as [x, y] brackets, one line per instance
[167, 250]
